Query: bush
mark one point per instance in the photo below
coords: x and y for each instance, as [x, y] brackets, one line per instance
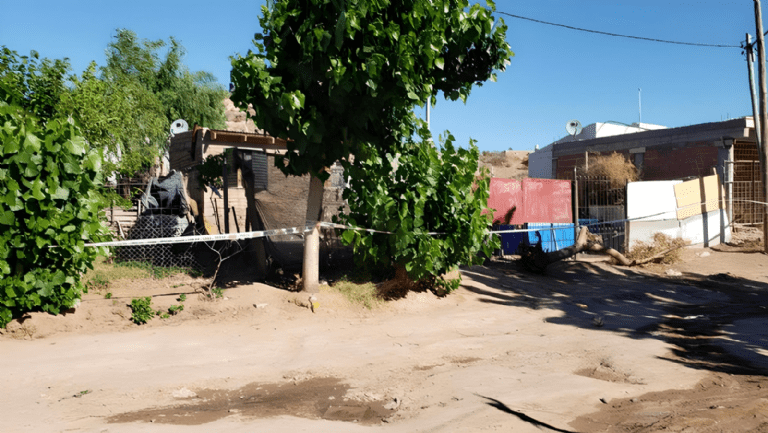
[48, 198]
[614, 166]
[141, 309]
[413, 194]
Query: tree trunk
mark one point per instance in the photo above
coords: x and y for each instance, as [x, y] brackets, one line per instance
[536, 260]
[311, 266]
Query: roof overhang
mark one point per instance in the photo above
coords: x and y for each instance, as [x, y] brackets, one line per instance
[715, 132]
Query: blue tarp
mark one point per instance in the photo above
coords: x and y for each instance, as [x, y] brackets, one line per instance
[554, 236]
[511, 241]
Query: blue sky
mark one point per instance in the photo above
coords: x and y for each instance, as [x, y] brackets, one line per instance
[556, 75]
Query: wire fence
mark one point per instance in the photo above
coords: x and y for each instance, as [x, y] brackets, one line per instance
[601, 202]
[747, 192]
[130, 218]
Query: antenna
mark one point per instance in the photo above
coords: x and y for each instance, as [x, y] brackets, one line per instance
[573, 127]
[639, 105]
[178, 126]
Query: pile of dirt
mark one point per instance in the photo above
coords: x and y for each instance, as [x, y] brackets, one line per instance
[746, 236]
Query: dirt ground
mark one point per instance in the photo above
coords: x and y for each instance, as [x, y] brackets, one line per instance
[589, 347]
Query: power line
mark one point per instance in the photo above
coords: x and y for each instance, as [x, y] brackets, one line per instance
[618, 35]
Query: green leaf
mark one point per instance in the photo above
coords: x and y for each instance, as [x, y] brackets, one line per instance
[439, 63]
[341, 25]
[60, 193]
[7, 217]
[348, 236]
[37, 189]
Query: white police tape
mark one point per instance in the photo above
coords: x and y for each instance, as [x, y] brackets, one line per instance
[203, 238]
[310, 227]
[570, 225]
[341, 226]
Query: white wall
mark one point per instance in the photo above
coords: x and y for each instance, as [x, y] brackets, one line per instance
[646, 200]
[605, 129]
[540, 163]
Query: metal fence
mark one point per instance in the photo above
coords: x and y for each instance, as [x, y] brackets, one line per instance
[139, 222]
[600, 202]
[746, 192]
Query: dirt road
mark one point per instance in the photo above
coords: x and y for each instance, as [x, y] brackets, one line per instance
[587, 348]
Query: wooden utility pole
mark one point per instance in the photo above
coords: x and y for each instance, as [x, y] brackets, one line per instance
[763, 151]
[750, 72]
[225, 178]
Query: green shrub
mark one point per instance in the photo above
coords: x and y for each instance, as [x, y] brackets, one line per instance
[142, 310]
[48, 197]
[412, 194]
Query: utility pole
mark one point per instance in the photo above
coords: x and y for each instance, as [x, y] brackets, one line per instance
[763, 150]
[750, 71]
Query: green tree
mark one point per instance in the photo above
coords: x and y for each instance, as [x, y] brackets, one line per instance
[432, 201]
[48, 197]
[336, 76]
[194, 96]
[343, 77]
[119, 117]
[128, 104]
[36, 85]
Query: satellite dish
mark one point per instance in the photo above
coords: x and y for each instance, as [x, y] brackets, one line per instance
[178, 126]
[573, 127]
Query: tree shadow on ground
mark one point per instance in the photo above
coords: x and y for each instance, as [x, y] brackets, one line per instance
[713, 322]
[523, 417]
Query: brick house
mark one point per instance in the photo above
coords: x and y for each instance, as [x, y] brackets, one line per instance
[666, 154]
[281, 200]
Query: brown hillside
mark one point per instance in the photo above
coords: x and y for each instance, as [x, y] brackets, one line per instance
[508, 164]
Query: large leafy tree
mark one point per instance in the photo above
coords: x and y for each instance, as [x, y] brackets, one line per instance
[343, 77]
[194, 96]
[124, 107]
[34, 84]
[122, 118]
[334, 76]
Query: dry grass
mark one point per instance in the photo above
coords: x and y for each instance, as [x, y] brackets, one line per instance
[614, 166]
[363, 294]
[104, 272]
[661, 242]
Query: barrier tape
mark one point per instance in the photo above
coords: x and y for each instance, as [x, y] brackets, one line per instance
[309, 227]
[202, 238]
[341, 226]
[673, 212]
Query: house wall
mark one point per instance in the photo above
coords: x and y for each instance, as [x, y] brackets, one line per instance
[646, 200]
[675, 161]
[540, 163]
[283, 204]
[181, 151]
[679, 161]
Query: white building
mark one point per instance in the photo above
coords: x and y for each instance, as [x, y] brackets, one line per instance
[540, 161]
